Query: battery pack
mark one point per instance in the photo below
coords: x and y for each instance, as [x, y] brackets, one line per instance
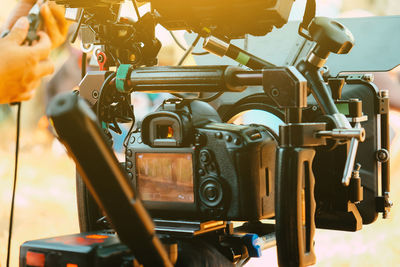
[96, 249]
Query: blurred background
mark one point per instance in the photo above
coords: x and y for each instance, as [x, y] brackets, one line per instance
[46, 201]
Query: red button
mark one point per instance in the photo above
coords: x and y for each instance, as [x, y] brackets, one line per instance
[35, 259]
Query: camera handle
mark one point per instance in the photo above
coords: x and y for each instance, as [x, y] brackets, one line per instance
[330, 37]
[295, 206]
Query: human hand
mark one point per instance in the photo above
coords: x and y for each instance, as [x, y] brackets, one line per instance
[21, 66]
[54, 22]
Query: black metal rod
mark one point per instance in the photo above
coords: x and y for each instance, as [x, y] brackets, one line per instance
[189, 50]
[248, 78]
[10, 229]
[385, 144]
[319, 89]
[191, 79]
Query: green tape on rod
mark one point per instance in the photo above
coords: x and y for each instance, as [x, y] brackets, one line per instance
[343, 108]
[242, 58]
[122, 74]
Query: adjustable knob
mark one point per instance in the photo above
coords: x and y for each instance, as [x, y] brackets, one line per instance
[331, 37]
[211, 192]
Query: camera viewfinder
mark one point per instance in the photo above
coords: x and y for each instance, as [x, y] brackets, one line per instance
[165, 132]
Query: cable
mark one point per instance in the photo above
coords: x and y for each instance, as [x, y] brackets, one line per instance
[128, 135]
[189, 50]
[210, 98]
[15, 184]
[181, 46]
[73, 39]
[83, 65]
[101, 94]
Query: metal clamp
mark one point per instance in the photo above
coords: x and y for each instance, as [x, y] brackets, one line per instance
[358, 134]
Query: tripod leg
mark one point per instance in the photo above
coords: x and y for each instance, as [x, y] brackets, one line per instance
[295, 206]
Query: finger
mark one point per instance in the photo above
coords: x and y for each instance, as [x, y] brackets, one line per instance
[56, 32]
[45, 67]
[59, 14]
[42, 48]
[50, 24]
[19, 31]
[25, 96]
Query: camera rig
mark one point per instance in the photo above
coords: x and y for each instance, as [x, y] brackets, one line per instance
[305, 187]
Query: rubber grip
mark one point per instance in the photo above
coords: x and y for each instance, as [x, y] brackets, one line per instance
[184, 79]
[295, 207]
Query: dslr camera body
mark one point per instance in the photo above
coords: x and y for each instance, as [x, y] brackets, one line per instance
[187, 165]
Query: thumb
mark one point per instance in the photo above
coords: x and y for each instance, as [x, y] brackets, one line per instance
[19, 31]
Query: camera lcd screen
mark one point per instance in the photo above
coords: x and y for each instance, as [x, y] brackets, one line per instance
[165, 177]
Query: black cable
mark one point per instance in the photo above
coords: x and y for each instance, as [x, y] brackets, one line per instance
[114, 59]
[15, 183]
[78, 27]
[181, 46]
[136, 9]
[83, 65]
[210, 98]
[189, 50]
[101, 93]
[128, 135]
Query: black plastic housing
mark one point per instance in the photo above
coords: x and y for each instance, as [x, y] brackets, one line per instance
[237, 160]
[331, 196]
[94, 249]
[230, 18]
